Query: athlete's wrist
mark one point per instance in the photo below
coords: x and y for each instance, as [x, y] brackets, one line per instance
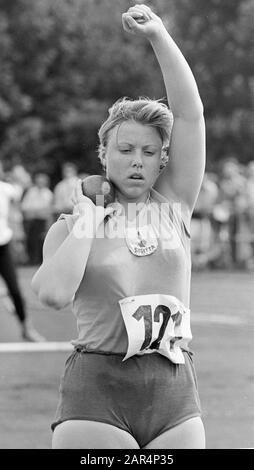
[158, 36]
[81, 208]
[89, 218]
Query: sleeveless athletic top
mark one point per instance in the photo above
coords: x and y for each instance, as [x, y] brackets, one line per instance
[122, 295]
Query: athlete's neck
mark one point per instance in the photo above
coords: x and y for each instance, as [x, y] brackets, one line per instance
[131, 205]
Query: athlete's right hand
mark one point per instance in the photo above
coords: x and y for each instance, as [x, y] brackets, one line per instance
[83, 204]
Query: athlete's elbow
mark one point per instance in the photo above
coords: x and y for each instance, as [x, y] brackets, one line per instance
[49, 292]
[43, 296]
[52, 300]
[53, 297]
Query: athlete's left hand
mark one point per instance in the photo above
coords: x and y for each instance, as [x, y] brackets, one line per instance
[140, 20]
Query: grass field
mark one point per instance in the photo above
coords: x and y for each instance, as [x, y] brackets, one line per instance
[223, 344]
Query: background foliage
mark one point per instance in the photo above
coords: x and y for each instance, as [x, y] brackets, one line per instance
[63, 63]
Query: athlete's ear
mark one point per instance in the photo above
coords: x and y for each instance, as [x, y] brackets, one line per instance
[102, 156]
[103, 162]
[164, 157]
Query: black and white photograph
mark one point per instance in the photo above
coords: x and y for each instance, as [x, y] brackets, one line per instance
[127, 228]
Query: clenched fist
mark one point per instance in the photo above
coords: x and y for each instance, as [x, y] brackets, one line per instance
[140, 20]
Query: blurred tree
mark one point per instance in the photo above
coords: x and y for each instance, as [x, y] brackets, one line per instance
[63, 62]
[217, 40]
[64, 67]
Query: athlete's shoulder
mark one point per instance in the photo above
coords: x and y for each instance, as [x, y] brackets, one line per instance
[175, 206]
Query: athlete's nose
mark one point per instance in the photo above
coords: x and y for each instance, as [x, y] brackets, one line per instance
[137, 165]
[137, 160]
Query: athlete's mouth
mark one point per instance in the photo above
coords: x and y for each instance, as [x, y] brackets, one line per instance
[136, 176]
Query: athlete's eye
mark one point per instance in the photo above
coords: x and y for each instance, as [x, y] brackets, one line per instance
[125, 150]
[149, 154]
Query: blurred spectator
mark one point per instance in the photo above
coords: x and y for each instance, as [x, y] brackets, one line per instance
[37, 214]
[64, 188]
[230, 204]
[21, 179]
[250, 186]
[249, 192]
[201, 224]
[15, 299]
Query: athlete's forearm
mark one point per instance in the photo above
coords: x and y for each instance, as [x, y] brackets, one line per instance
[181, 87]
[59, 278]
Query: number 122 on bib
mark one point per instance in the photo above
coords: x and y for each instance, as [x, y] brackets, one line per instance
[156, 323]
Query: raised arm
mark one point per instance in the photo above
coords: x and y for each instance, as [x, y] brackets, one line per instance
[182, 177]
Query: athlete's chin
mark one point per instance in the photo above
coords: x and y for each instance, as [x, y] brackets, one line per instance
[133, 191]
[136, 193]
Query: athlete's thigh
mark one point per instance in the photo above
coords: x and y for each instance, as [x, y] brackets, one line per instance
[188, 435]
[82, 434]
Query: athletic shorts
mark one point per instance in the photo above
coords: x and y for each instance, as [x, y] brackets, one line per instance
[144, 395]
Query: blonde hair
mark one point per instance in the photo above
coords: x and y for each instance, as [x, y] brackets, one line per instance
[144, 111]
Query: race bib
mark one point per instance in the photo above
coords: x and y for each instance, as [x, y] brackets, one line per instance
[156, 323]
